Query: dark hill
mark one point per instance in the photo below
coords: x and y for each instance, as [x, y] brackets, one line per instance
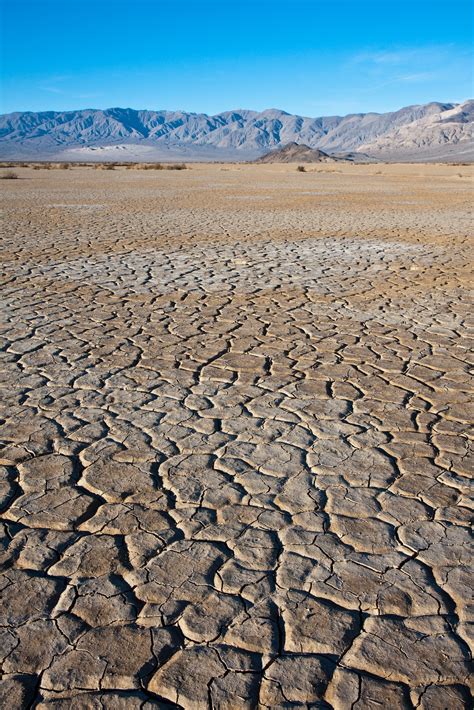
[297, 153]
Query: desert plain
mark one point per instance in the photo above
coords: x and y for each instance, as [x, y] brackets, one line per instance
[235, 437]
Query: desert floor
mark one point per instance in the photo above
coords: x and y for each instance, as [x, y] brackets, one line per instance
[235, 437]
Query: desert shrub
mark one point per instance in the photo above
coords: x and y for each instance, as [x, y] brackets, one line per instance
[149, 166]
[108, 166]
[36, 167]
[156, 166]
[301, 169]
[64, 166]
[9, 175]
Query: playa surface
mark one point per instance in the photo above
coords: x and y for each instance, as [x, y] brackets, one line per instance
[235, 437]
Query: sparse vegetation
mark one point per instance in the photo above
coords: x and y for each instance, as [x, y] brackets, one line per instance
[301, 169]
[96, 165]
[9, 175]
[157, 166]
[149, 166]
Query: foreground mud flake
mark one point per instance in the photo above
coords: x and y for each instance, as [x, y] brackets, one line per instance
[440, 697]
[348, 690]
[235, 690]
[186, 677]
[315, 626]
[206, 620]
[34, 647]
[16, 691]
[27, 597]
[110, 657]
[416, 651]
[120, 481]
[295, 679]
[224, 673]
[50, 498]
[76, 670]
[99, 601]
[90, 556]
[256, 629]
[187, 567]
[105, 700]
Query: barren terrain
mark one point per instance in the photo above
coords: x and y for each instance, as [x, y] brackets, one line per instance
[235, 428]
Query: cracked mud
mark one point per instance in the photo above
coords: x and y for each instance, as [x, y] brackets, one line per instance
[235, 439]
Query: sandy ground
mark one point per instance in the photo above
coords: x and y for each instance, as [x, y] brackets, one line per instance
[235, 437]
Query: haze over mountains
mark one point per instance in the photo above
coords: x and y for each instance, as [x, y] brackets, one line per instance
[434, 131]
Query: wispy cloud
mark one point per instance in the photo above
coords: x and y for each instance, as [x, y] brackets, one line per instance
[55, 85]
[380, 68]
[417, 76]
[396, 57]
[52, 89]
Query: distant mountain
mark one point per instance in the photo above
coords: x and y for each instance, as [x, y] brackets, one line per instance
[427, 130]
[296, 153]
[444, 134]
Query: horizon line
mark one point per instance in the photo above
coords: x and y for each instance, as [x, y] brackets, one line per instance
[220, 113]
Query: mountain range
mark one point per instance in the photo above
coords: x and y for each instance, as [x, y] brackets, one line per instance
[433, 131]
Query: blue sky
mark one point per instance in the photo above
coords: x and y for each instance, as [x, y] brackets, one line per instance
[313, 57]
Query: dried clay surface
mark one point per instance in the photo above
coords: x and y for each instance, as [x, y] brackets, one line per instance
[235, 438]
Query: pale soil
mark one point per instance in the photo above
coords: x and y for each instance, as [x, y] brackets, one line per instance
[235, 420]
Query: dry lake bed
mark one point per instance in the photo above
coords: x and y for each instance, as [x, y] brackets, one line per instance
[235, 438]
